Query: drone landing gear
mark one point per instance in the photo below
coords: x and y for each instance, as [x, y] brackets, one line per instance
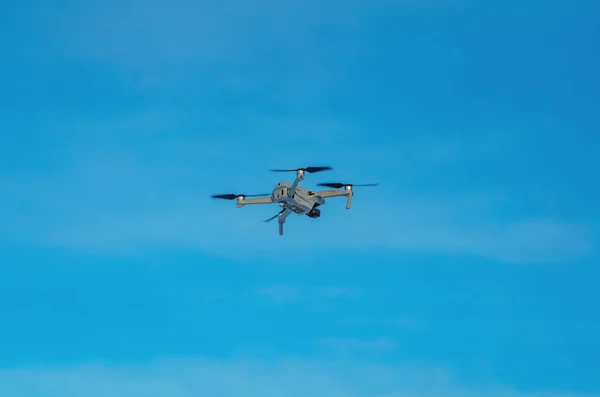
[349, 200]
[281, 219]
[281, 216]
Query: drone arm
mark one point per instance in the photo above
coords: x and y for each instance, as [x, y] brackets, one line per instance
[299, 178]
[244, 201]
[337, 193]
[332, 193]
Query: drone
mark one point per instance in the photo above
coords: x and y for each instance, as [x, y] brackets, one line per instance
[294, 198]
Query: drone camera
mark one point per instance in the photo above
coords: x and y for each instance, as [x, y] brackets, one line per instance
[314, 213]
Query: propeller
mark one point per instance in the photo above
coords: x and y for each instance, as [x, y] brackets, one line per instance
[275, 216]
[337, 185]
[307, 169]
[232, 196]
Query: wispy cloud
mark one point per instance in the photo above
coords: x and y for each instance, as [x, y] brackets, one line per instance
[371, 345]
[248, 378]
[105, 200]
[271, 49]
[283, 293]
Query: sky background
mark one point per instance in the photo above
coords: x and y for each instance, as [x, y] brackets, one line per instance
[470, 271]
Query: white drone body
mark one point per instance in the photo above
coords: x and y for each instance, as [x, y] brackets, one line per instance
[296, 199]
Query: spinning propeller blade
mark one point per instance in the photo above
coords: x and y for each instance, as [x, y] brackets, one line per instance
[232, 196]
[337, 185]
[307, 169]
[275, 216]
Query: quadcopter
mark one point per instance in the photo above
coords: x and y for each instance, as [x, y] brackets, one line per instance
[294, 198]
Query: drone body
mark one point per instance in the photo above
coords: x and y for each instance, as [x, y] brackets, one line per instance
[294, 198]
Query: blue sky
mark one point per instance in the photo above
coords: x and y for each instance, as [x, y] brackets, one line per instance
[471, 270]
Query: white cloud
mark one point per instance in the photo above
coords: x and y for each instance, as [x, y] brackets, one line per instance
[246, 378]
